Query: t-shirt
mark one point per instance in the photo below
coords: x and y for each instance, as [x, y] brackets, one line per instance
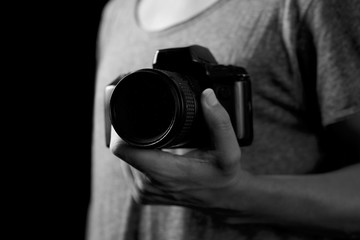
[303, 57]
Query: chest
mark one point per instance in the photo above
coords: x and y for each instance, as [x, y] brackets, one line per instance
[242, 33]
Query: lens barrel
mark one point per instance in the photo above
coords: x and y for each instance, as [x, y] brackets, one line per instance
[154, 108]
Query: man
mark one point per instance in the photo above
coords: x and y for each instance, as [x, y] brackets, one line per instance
[299, 178]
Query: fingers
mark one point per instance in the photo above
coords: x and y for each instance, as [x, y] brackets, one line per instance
[145, 191]
[148, 192]
[221, 129]
[142, 159]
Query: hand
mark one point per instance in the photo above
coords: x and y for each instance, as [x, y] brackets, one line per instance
[197, 179]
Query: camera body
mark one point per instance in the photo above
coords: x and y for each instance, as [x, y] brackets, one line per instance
[160, 107]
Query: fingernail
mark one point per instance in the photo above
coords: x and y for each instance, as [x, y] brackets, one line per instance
[210, 97]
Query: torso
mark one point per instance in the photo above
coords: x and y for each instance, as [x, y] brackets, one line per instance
[282, 144]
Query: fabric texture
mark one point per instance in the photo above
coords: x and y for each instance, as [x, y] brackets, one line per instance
[303, 60]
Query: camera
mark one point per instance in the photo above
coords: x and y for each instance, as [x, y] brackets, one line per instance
[160, 107]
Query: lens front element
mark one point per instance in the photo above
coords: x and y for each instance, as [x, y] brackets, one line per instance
[148, 109]
[142, 108]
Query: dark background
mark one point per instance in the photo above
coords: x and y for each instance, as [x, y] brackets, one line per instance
[51, 62]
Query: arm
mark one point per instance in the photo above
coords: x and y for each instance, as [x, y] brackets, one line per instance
[328, 200]
[323, 201]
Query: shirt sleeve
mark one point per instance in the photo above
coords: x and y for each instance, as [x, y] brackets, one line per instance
[335, 31]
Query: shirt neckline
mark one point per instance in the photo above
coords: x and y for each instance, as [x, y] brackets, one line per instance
[179, 25]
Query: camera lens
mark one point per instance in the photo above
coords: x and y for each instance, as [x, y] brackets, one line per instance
[152, 108]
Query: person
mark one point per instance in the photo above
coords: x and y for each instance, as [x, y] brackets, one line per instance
[300, 177]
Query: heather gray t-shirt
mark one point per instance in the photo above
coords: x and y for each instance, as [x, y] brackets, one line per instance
[304, 61]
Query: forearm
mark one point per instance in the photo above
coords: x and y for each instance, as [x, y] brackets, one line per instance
[324, 201]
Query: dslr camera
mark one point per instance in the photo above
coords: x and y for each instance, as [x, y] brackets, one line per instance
[160, 107]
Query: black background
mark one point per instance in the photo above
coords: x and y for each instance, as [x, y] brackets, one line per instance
[50, 54]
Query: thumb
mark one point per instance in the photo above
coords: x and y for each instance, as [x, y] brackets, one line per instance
[221, 130]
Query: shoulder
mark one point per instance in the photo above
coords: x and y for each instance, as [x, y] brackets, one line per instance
[334, 12]
[324, 9]
[114, 9]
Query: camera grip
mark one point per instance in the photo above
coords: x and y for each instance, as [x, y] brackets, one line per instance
[243, 112]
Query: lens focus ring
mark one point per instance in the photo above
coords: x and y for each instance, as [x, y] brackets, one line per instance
[189, 110]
